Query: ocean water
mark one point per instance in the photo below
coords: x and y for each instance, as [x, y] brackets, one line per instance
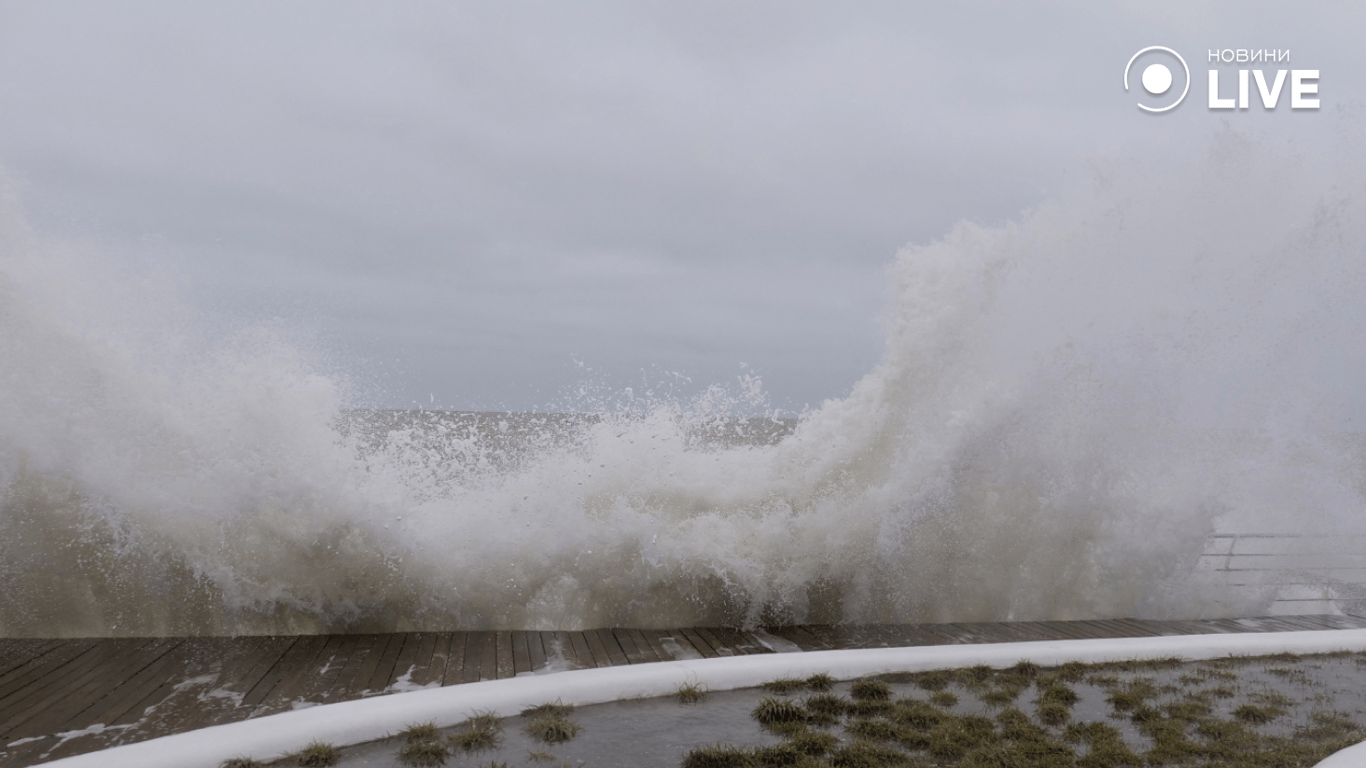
[1068, 406]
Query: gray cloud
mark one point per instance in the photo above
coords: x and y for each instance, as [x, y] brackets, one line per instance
[467, 198]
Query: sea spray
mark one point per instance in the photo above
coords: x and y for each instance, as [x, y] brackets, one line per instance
[1068, 406]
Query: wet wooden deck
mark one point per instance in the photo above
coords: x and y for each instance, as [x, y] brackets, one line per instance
[65, 697]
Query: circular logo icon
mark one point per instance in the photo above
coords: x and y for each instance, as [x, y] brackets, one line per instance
[1157, 78]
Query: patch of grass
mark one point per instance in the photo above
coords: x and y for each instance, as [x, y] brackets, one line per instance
[1190, 711]
[1255, 715]
[691, 693]
[1057, 692]
[552, 729]
[420, 731]
[556, 708]
[241, 762]
[476, 740]
[936, 680]
[870, 690]
[861, 754]
[1072, 672]
[812, 743]
[977, 675]
[482, 731]
[318, 754]
[1053, 713]
[943, 699]
[827, 704]
[784, 685]
[781, 756]
[954, 737]
[874, 708]
[424, 754]
[1016, 726]
[1026, 669]
[786, 730]
[820, 682]
[1000, 697]
[485, 721]
[719, 756]
[918, 714]
[874, 730]
[538, 756]
[771, 711]
[1327, 725]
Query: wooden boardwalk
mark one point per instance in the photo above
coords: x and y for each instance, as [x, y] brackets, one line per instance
[65, 697]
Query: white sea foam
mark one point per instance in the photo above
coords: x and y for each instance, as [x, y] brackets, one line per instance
[1067, 406]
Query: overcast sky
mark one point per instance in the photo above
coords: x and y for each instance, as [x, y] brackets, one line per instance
[466, 201]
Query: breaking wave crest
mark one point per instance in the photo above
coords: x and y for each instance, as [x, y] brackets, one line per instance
[1068, 405]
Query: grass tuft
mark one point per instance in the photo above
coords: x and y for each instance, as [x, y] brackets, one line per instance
[482, 731]
[719, 756]
[861, 754]
[784, 685]
[771, 711]
[870, 690]
[552, 729]
[943, 699]
[691, 693]
[820, 682]
[241, 762]
[556, 708]
[420, 731]
[318, 754]
[424, 754]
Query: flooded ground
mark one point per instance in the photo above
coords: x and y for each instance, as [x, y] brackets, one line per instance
[1289, 710]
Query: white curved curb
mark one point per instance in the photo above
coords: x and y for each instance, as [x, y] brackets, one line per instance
[354, 722]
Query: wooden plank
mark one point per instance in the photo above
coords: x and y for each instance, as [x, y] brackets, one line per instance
[503, 660]
[329, 667]
[186, 660]
[362, 657]
[15, 652]
[798, 636]
[721, 648]
[627, 645]
[598, 649]
[156, 664]
[535, 644]
[700, 643]
[1059, 630]
[431, 658]
[282, 667]
[558, 645]
[488, 656]
[822, 635]
[37, 684]
[1297, 624]
[67, 693]
[184, 704]
[69, 712]
[455, 660]
[583, 653]
[93, 700]
[615, 653]
[654, 639]
[296, 669]
[984, 632]
[406, 663]
[22, 679]
[384, 673]
[521, 654]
